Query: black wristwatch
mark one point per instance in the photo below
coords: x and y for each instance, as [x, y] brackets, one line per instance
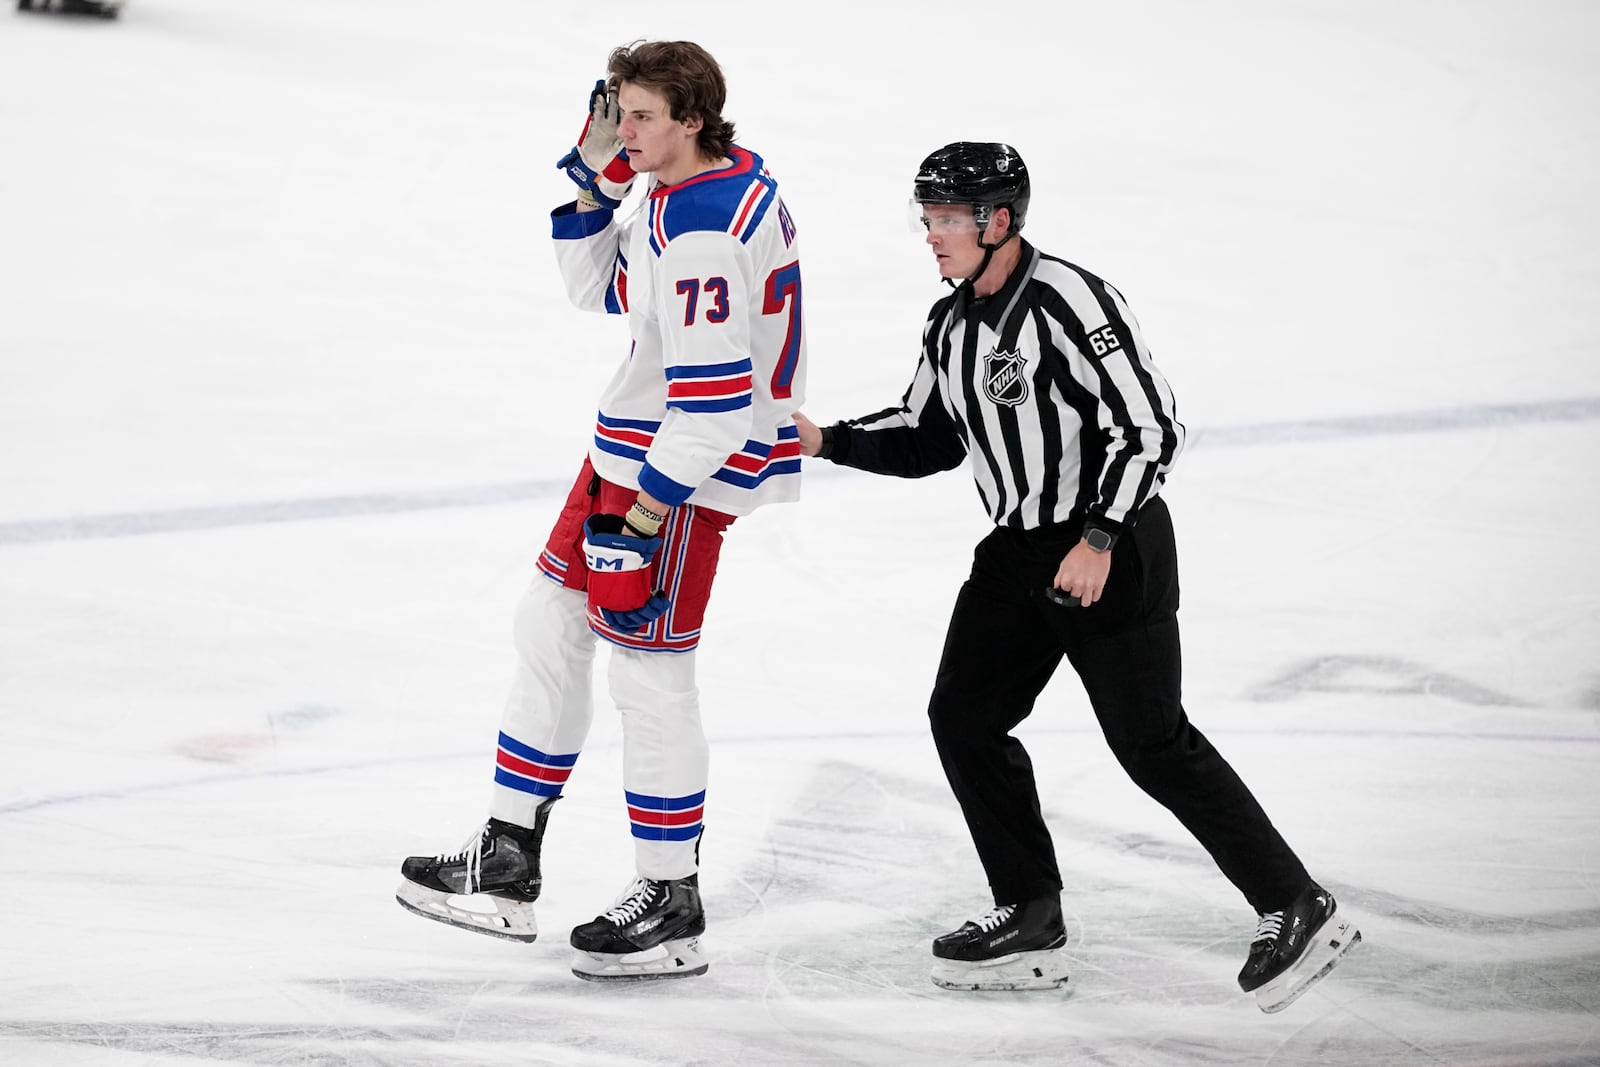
[1098, 539]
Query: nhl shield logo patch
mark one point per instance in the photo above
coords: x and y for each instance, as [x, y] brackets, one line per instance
[1003, 380]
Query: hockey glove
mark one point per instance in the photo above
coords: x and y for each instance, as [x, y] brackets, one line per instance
[619, 574]
[597, 164]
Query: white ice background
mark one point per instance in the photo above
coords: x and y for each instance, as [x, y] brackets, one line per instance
[289, 389]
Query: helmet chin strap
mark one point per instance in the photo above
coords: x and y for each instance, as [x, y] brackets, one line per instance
[971, 281]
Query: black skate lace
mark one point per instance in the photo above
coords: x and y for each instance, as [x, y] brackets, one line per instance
[1268, 926]
[994, 917]
[631, 904]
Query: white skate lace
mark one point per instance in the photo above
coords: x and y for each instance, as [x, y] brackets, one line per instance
[994, 917]
[631, 904]
[1268, 926]
[472, 852]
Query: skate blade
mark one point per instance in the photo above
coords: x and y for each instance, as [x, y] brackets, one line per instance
[1045, 969]
[481, 913]
[1334, 941]
[681, 958]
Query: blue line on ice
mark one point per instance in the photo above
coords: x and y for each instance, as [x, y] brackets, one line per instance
[34, 803]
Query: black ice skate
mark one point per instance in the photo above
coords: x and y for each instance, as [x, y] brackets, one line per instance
[1295, 948]
[488, 887]
[653, 931]
[1013, 946]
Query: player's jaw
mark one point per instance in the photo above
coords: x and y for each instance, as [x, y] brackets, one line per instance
[670, 159]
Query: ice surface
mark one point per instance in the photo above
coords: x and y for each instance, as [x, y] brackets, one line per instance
[289, 389]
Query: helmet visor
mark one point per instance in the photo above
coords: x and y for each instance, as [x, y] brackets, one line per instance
[944, 220]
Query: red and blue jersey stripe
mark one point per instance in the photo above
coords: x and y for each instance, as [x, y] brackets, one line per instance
[628, 438]
[756, 462]
[709, 387]
[753, 464]
[617, 294]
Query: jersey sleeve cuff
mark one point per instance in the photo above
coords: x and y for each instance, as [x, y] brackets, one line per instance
[567, 223]
[836, 443]
[1099, 519]
[661, 487]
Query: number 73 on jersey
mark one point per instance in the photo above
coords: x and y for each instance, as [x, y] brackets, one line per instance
[707, 301]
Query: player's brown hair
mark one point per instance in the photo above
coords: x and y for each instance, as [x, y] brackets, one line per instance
[690, 80]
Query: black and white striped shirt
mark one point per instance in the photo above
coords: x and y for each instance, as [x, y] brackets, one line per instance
[1047, 386]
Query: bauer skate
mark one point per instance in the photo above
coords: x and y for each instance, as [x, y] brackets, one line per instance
[488, 887]
[1296, 948]
[653, 931]
[1013, 946]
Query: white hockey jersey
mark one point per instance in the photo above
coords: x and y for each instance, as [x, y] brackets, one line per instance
[708, 273]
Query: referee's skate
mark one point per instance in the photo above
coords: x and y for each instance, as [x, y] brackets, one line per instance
[1011, 946]
[1295, 948]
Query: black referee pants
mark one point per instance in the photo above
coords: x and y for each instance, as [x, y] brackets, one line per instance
[1004, 643]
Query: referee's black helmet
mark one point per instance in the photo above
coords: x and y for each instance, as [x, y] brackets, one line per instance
[985, 174]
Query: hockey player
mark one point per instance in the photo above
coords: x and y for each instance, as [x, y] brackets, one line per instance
[694, 429]
[1035, 371]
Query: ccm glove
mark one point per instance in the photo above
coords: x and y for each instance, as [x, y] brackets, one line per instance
[597, 164]
[619, 574]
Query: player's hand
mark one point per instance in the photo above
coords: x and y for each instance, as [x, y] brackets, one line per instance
[1083, 573]
[619, 565]
[810, 435]
[597, 164]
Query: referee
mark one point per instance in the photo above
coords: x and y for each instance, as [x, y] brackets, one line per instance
[1035, 371]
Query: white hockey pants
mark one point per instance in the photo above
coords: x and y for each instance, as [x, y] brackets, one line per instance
[665, 758]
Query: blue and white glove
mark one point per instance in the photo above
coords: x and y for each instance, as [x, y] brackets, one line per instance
[619, 564]
[597, 164]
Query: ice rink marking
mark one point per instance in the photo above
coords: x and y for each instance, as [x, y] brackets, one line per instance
[35, 803]
[1303, 431]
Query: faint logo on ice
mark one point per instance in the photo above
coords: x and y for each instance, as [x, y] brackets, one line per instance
[243, 745]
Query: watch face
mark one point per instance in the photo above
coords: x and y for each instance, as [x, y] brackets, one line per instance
[1099, 540]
